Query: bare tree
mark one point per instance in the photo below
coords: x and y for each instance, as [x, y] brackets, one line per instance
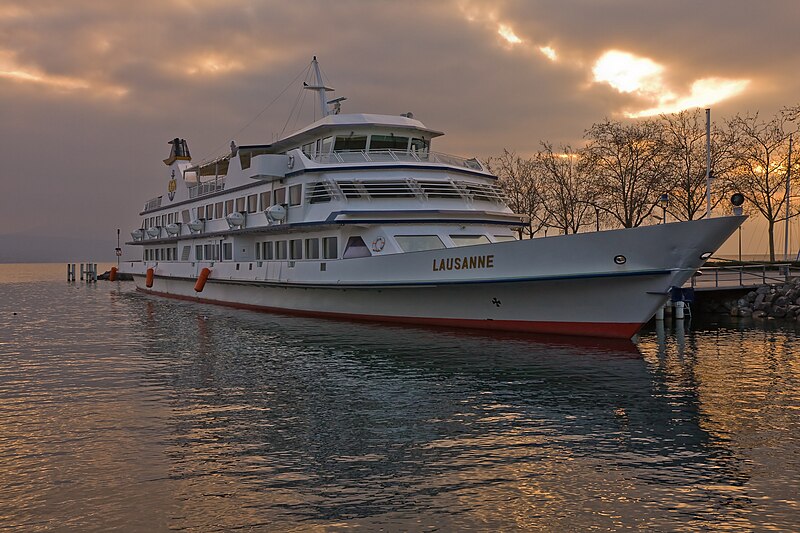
[629, 168]
[566, 193]
[522, 185]
[685, 138]
[761, 156]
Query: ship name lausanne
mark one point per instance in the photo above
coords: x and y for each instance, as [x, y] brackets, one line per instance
[464, 263]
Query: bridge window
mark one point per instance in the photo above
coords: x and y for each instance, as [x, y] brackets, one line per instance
[420, 147]
[469, 240]
[319, 193]
[295, 195]
[228, 207]
[419, 243]
[388, 142]
[279, 196]
[504, 238]
[252, 203]
[351, 143]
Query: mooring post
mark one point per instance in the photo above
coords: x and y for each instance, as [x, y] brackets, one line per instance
[679, 310]
[82, 271]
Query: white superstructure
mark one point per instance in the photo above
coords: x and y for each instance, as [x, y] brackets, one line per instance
[356, 216]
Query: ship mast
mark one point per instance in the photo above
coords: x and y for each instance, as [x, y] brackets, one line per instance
[320, 88]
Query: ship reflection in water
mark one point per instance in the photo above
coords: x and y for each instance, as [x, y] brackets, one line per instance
[177, 415]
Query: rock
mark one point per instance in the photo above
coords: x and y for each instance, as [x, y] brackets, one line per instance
[734, 311]
[763, 306]
[742, 302]
[745, 311]
[758, 300]
[797, 301]
[751, 296]
[759, 314]
[780, 301]
[768, 298]
[764, 289]
[778, 312]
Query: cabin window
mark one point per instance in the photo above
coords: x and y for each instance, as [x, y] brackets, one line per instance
[418, 243]
[175, 253]
[185, 251]
[279, 196]
[258, 251]
[312, 248]
[227, 251]
[198, 253]
[296, 249]
[158, 254]
[228, 207]
[330, 248]
[252, 203]
[325, 147]
[350, 144]
[264, 200]
[388, 142]
[218, 210]
[295, 195]
[186, 217]
[356, 247]
[308, 149]
[209, 211]
[268, 255]
[319, 193]
[469, 240]
[504, 238]
[240, 204]
[420, 147]
[281, 250]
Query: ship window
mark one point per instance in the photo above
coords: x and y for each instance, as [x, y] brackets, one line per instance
[319, 193]
[228, 207]
[252, 203]
[198, 253]
[209, 211]
[388, 142]
[420, 147]
[280, 250]
[158, 254]
[279, 196]
[227, 251]
[175, 253]
[240, 203]
[326, 145]
[265, 200]
[349, 189]
[308, 149]
[218, 210]
[355, 248]
[258, 251]
[296, 249]
[350, 144]
[295, 195]
[330, 248]
[186, 216]
[504, 238]
[469, 240]
[215, 249]
[268, 250]
[419, 243]
[312, 248]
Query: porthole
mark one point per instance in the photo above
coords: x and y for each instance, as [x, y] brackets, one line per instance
[620, 259]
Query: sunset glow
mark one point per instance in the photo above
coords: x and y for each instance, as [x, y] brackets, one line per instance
[508, 34]
[10, 71]
[548, 52]
[628, 73]
[642, 76]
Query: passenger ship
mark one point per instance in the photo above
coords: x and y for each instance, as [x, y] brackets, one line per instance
[356, 217]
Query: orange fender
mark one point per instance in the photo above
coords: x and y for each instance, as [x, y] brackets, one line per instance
[201, 279]
[149, 279]
[112, 276]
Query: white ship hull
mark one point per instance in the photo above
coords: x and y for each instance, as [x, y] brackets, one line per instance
[561, 285]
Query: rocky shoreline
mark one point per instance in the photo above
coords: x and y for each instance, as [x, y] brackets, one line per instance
[780, 301]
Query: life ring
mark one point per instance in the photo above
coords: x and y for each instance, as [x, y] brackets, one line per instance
[378, 244]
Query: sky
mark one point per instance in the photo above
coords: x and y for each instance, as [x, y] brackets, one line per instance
[91, 91]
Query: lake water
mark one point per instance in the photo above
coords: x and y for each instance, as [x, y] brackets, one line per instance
[124, 411]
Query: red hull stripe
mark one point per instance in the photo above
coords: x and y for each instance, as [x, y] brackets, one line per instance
[609, 330]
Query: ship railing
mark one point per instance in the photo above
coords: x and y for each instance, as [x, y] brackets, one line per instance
[208, 187]
[403, 156]
[153, 204]
[744, 275]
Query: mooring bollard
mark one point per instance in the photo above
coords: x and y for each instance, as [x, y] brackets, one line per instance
[660, 313]
[82, 270]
